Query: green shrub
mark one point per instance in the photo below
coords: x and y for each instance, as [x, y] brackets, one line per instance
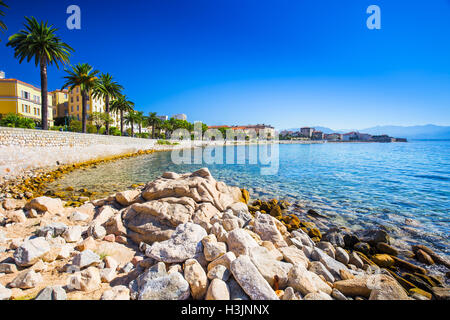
[113, 131]
[75, 126]
[17, 121]
[165, 142]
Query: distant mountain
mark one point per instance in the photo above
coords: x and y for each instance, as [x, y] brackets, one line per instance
[429, 131]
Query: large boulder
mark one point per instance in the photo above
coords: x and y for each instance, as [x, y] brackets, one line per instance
[251, 281]
[52, 205]
[185, 243]
[157, 284]
[240, 242]
[306, 282]
[267, 227]
[272, 270]
[30, 251]
[199, 185]
[156, 220]
[196, 277]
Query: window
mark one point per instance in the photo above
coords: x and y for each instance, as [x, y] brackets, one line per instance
[78, 90]
[65, 95]
[25, 95]
[71, 99]
[78, 98]
[78, 108]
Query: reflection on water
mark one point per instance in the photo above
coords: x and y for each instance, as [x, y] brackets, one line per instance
[357, 184]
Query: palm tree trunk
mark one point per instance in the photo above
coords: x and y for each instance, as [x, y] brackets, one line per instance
[153, 130]
[107, 112]
[140, 129]
[132, 129]
[84, 113]
[121, 122]
[44, 95]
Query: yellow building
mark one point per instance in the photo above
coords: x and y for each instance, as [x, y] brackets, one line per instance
[61, 103]
[24, 99]
[75, 108]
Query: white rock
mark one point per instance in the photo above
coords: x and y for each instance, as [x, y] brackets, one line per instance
[72, 234]
[196, 277]
[251, 281]
[30, 251]
[240, 242]
[218, 290]
[184, 244]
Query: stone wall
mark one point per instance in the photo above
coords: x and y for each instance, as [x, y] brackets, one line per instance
[40, 138]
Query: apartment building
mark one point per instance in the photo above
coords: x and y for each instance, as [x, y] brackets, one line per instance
[23, 98]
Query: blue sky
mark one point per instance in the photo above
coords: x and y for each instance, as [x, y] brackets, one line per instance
[288, 63]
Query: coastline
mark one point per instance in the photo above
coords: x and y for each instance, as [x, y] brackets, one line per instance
[300, 239]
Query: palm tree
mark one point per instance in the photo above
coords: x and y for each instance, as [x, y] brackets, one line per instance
[83, 76]
[121, 105]
[38, 41]
[140, 120]
[153, 120]
[106, 89]
[130, 119]
[2, 14]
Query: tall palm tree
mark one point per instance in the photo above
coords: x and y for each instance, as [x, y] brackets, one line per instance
[121, 105]
[83, 76]
[130, 119]
[106, 89]
[2, 14]
[140, 120]
[153, 121]
[38, 41]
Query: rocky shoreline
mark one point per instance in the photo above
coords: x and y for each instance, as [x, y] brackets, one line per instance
[188, 236]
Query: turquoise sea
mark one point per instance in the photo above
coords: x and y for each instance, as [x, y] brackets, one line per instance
[404, 187]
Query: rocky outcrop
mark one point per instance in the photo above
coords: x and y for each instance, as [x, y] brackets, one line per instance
[190, 237]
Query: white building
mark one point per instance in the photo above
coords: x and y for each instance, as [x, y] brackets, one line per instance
[180, 116]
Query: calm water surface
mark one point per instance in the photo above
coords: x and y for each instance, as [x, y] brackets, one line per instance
[355, 184]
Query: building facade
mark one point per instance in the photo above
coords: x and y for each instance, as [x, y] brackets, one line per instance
[24, 99]
[180, 116]
[306, 132]
[61, 103]
[75, 107]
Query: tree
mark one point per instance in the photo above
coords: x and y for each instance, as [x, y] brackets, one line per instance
[131, 118]
[153, 121]
[99, 119]
[140, 120]
[38, 41]
[106, 89]
[83, 76]
[121, 105]
[2, 14]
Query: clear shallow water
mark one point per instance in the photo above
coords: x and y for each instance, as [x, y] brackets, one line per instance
[355, 184]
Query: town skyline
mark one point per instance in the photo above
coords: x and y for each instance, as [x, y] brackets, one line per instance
[244, 75]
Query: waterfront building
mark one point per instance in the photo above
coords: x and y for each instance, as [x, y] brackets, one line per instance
[75, 108]
[61, 103]
[383, 138]
[318, 135]
[22, 98]
[163, 118]
[334, 137]
[306, 132]
[350, 136]
[180, 116]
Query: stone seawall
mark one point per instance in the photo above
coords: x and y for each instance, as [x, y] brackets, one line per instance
[24, 150]
[37, 138]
